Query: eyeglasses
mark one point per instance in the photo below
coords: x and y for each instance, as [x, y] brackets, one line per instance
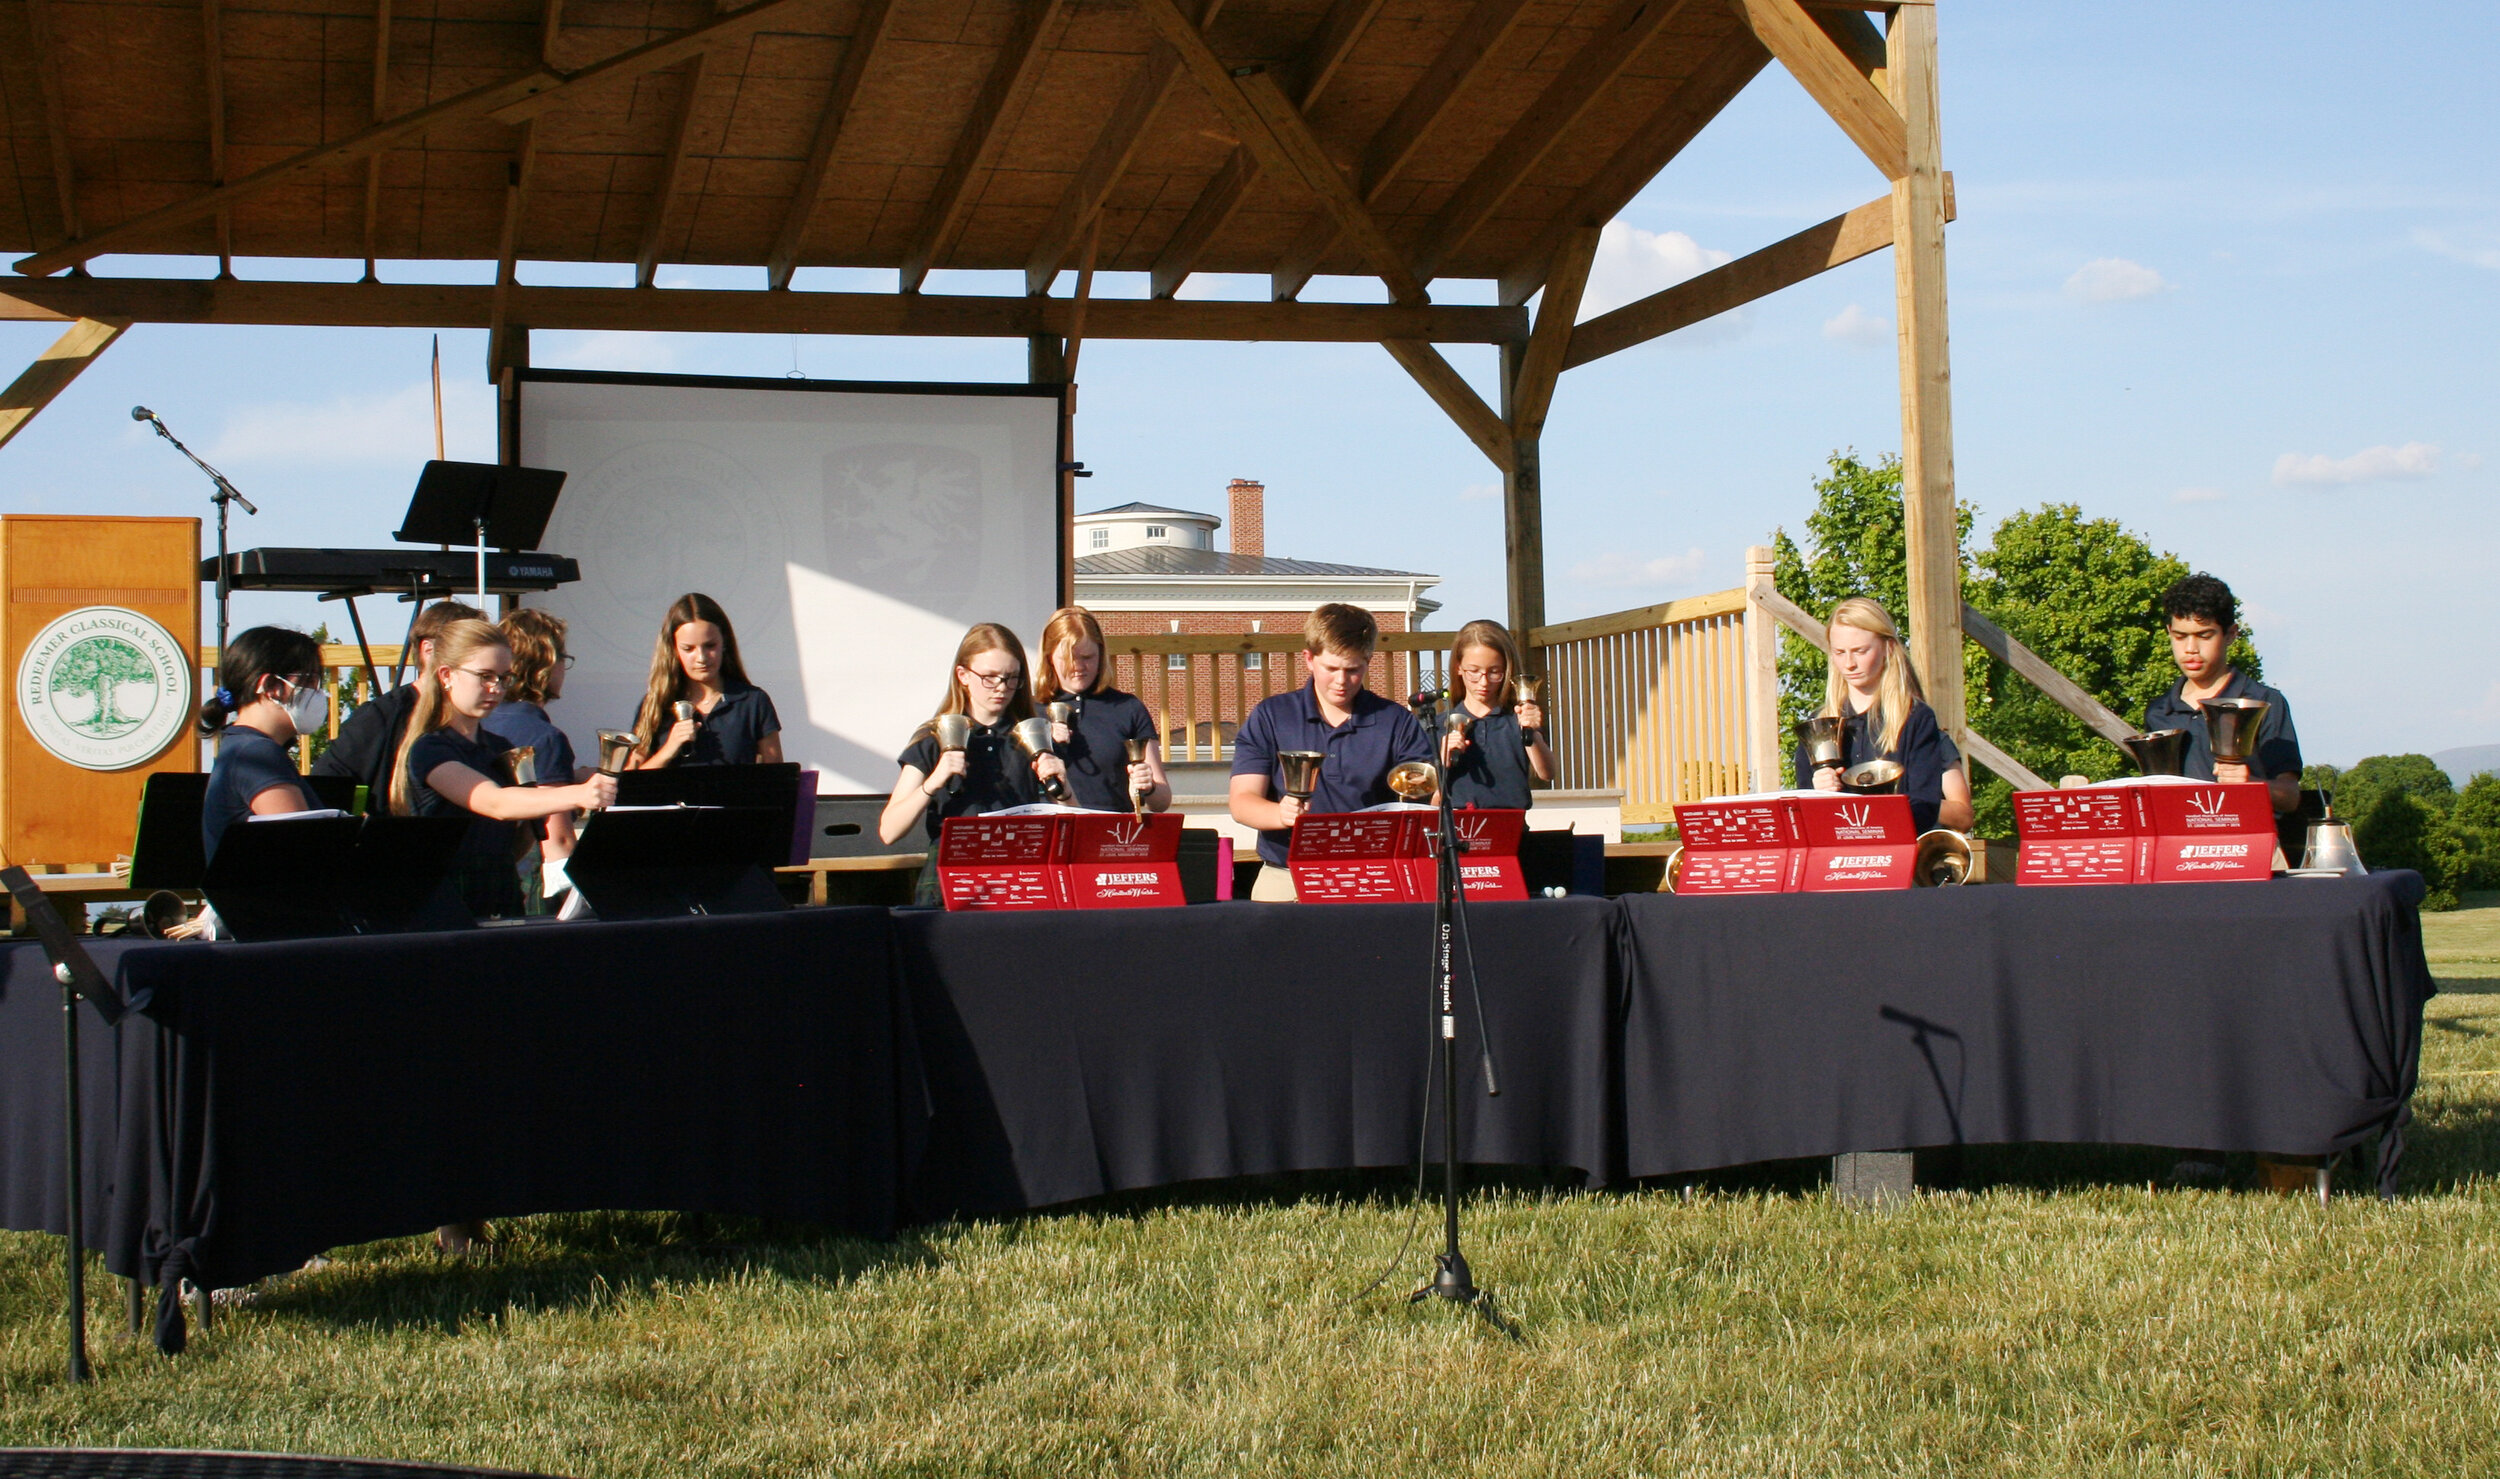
[997, 681]
[1480, 672]
[488, 681]
[564, 660]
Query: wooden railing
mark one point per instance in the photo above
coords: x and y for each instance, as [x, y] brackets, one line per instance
[342, 677]
[1651, 702]
[1201, 687]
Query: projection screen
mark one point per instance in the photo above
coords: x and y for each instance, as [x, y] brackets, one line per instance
[852, 531]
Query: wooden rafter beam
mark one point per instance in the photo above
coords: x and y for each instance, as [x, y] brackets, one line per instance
[213, 56]
[1710, 87]
[664, 195]
[689, 310]
[508, 245]
[510, 100]
[1627, 32]
[867, 35]
[1454, 70]
[1832, 79]
[1541, 363]
[1315, 69]
[1011, 78]
[1456, 398]
[373, 162]
[1784, 263]
[52, 372]
[1080, 204]
[47, 59]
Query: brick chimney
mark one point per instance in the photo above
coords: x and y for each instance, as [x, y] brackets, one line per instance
[1249, 517]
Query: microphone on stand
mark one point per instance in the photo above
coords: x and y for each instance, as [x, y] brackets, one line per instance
[1422, 704]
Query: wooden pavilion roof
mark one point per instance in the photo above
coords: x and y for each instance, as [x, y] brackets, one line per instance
[1409, 140]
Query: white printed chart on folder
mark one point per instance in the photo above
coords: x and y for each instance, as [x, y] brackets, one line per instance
[851, 532]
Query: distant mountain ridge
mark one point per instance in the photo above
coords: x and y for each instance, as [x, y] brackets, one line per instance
[2465, 763]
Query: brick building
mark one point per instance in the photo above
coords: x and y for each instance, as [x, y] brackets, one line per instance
[1148, 571]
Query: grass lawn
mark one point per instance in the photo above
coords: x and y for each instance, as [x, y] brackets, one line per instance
[2056, 1315]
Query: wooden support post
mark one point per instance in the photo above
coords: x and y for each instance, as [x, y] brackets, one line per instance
[1935, 572]
[1762, 673]
[373, 162]
[1046, 363]
[1523, 501]
[213, 44]
[52, 372]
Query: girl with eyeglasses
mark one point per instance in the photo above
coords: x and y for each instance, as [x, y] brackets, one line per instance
[450, 763]
[987, 687]
[268, 692]
[1504, 752]
[696, 661]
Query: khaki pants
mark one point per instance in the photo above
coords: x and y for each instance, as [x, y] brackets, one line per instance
[1274, 885]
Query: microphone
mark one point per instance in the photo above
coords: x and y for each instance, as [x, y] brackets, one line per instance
[1426, 698]
[141, 413]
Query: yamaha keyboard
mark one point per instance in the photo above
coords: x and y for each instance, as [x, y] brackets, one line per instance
[403, 571]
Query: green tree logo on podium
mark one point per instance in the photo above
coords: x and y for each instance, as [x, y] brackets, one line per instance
[104, 687]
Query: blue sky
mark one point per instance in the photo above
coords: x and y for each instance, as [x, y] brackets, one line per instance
[2228, 273]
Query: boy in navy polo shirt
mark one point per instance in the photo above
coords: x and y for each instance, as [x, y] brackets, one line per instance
[2203, 617]
[1361, 733]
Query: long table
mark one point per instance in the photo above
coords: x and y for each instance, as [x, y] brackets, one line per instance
[863, 1068]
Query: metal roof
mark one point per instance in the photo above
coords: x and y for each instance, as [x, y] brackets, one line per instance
[1148, 508]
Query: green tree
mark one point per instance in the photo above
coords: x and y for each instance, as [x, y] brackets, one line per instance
[2360, 790]
[2476, 818]
[99, 666]
[2402, 831]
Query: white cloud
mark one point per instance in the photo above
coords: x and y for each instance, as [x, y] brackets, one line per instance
[2199, 495]
[394, 427]
[2378, 464]
[2114, 280]
[1476, 492]
[1632, 264]
[1615, 568]
[1854, 325]
[2471, 256]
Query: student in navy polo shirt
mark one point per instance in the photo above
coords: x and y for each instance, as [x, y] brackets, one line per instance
[1874, 691]
[1504, 754]
[696, 661]
[1361, 733]
[2204, 618]
[268, 692]
[1094, 741]
[986, 686]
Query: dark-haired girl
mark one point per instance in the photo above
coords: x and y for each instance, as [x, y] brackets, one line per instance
[696, 661]
[268, 692]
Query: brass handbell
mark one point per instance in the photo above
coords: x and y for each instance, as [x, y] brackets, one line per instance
[1299, 770]
[1414, 780]
[1821, 737]
[1874, 778]
[2231, 727]
[1943, 861]
[1530, 691]
[954, 731]
[1135, 749]
[1060, 712]
[614, 746]
[1033, 738]
[2162, 752]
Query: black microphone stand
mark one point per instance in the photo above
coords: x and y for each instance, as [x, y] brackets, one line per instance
[226, 493]
[77, 973]
[1451, 1278]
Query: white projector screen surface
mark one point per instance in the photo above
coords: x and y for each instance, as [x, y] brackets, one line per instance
[851, 533]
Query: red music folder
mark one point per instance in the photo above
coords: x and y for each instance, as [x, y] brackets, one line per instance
[1854, 843]
[1002, 862]
[1488, 855]
[1355, 857]
[2146, 830]
[1117, 861]
[1796, 842]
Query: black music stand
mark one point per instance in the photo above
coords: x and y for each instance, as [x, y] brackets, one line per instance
[77, 973]
[166, 851]
[315, 877]
[398, 878]
[480, 504]
[672, 861]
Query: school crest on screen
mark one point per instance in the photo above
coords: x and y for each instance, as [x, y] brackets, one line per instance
[104, 688]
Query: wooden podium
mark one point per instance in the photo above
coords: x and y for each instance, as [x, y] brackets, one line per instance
[100, 630]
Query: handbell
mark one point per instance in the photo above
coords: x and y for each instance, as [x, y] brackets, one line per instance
[1675, 872]
[684, 710]
[1943, 859]
[1874, 778]
[2162, 752]
[1531, 691]
[1299, 770]
[2231, 727]
[1135, 750]
[1457, 722]
[614, 746]
[2330, 846]
[1413, 780]
[1821, 737]
[1060, 713]
[1033, 738]
[954, 731]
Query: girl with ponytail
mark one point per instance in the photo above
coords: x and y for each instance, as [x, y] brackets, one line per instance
[1875, 692]
[449, 763]
[268, 692]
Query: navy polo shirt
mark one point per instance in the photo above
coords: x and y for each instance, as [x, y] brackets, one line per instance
[248, 763]
[996, 776]
[1923, 756]
[1493, 770]
[1096, 757]
[2278, 744]
[729, 735]
[1360, 751]
[527, 726]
